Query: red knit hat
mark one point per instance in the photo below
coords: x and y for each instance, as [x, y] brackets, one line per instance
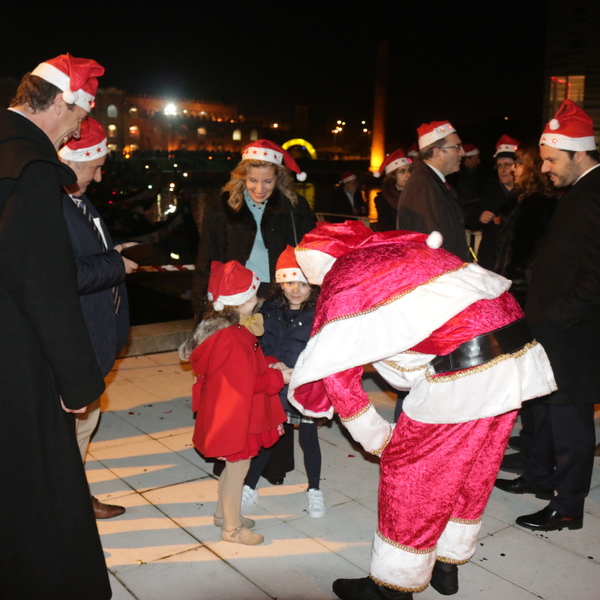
[470, 149]
[91, 144]
[506, 147]
[231, 284]
[434, 131]
[75, 77]
[287, 268]
[271, 152]
[393, 161]
[571, 129]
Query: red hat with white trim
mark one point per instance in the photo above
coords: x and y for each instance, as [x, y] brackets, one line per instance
[570, 129]
[91, 144]
[287, 268]
[470, 149]
[432, 132]
[231, 284]
[413, 151]
[506, 147]
[271, 152]
[347, 176]
[393, 161]
[76, 78]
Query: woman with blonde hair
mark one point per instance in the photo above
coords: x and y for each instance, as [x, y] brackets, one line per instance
[256, 217]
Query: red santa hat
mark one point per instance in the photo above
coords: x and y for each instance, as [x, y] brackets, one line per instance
[271, 152]
[470, 149]
[231, 284]
[347, 176]
[432, 132]
[506, 147]
[91, 144]
[287, 268]
[321, 247]
[570, 129]
[413, 151]
[393, 161]
[75, 77]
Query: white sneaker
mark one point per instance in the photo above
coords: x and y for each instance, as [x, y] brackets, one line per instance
[249, 496]
[316, 504]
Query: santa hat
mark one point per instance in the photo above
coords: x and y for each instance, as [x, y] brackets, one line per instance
[91, 144]
[347, 176]
[321, 247]
[271, 152]
[571, 129]
[231, 284]
[434, 131]
[470, 149]
[287, 268]
[75, 77]
[393, 161]
[506, 147]
[413, 151]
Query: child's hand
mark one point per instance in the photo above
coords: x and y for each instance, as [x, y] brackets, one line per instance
[287, 375]
[279, 366]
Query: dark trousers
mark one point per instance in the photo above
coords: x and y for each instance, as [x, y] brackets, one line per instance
[562, 454]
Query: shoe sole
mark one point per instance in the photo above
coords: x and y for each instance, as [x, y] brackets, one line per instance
[556, 527]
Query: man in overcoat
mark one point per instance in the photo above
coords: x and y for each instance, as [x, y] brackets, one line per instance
[427, 203]
[50, 546]
[101, 273]
[563, 310]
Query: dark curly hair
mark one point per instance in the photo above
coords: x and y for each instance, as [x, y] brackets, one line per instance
[276, 294]
[532, 180]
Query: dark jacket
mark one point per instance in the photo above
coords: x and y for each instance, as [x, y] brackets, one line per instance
[286, 334]
[229, 235]
[45, 355]
[339, 202]
[427, 205]
[563, 304]
[97, 272]
[386, 203]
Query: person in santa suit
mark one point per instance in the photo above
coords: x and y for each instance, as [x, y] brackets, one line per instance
[451, 333]
[235, 395]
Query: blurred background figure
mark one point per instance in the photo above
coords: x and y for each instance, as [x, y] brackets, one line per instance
[347, 198]
[396, 168]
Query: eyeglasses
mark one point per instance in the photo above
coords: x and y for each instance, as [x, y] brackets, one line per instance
[457, 147]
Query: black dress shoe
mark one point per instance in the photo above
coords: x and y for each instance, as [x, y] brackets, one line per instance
[513, 463]
[519, 486]
[444, 578]
[548, 519]
[514, 443]
[366, 589]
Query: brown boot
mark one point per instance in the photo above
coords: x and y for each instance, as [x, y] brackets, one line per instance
[106, 511]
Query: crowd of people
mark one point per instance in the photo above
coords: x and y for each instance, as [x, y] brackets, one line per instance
[288, 312]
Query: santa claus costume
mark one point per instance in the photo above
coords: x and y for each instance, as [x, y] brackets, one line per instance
[451, 333]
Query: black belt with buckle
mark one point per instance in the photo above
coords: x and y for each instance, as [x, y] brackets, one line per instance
[483, 348]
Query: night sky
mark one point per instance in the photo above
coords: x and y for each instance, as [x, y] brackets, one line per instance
[470, 62]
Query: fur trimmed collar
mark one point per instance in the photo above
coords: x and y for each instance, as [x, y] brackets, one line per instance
[204, 330]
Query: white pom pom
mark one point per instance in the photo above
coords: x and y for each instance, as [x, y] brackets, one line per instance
[218, 305]
[301, 176]
[435, 240]
[554, 124]
[69, 97]
[377, 174]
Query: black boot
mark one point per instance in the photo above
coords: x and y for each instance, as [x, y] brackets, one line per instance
[366, 589]
[444, 578]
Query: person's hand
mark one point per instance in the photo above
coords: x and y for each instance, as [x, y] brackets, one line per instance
[279, 366]
[120, 247]
[130, 265]
[486, 216]
[77, 411]
[287, 375]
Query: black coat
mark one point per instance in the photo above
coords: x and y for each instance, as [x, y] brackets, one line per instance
[387, 213]
[339, 203]
[286, 334]
[49, 540]
[427, 205]
[229, 235]
[97, 272]
[563, 304]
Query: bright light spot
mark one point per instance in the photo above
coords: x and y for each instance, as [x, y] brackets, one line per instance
[175, 165]
[170, 109]
[174, 256]
[363, 122]
[127, 156]
[275, 125]
[149, 187]
[185, 174]
[147, 166]
[365, 130]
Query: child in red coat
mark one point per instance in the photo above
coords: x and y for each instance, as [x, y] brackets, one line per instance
[235, 395]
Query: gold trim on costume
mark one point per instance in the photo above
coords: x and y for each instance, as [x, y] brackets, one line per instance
[382, 447]
[389, 300]
[397, 587]
[402, 547]
[360, 413]
[452, 561]
[397, 367]
[465, 521]
[479, 369]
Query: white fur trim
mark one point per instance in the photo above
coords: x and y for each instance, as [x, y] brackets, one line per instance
[266, 154]
[290, 274]
[370, 430]
[458, 540]
[554, 124]
[301, 176]
[84, 154]
[436, 134]
[563, 142]
[63, 82]
[242, 297]
[398, 567]
[473, 152]
[314, 263]
[394, 327]
[396, 164]
[349, 178]
[435, 240]
[512, 148]
[218, 305]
